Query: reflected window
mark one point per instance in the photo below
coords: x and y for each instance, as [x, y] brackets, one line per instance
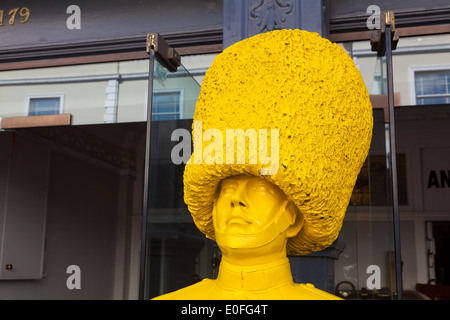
[44, 105]
[432, 87]
[167, 105]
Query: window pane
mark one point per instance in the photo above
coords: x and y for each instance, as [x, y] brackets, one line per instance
[432, 87]
[433, 100]
[44, 106]
[178, 254]
[165, 117]
[431, 82]
[166, 106]
[370, 187]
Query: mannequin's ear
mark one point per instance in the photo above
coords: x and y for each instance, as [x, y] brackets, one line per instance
[297, 220]
[213, 212]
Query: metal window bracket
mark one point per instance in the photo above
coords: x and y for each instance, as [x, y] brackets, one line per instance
[166, 55]
[377, 40]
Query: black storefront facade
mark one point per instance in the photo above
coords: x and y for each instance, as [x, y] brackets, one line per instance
[91, 200]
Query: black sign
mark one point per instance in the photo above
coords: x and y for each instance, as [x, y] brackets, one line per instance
[439, 179]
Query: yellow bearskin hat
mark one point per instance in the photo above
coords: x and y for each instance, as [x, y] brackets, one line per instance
[311, 91]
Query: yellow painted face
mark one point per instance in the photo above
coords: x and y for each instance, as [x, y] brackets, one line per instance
[247, 205]
[251, 212]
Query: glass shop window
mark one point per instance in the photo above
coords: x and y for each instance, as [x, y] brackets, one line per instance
[432, 87]
[370, 187]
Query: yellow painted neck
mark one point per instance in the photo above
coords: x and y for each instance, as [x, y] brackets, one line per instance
[257, 277]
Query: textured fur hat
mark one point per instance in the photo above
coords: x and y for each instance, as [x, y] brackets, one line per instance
[311, 91]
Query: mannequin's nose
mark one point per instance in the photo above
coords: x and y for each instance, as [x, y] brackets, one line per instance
[237, 203]
[238, 200]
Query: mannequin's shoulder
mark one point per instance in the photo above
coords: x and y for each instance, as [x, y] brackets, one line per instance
[307, 291]
[196, 291]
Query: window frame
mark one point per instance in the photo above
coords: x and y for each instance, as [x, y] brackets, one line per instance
[180, 92]
[412, 78]
[30, 97]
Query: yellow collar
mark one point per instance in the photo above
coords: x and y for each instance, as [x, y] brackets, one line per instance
[251, 278]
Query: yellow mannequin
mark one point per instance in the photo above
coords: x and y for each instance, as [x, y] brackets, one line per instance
[253, 220]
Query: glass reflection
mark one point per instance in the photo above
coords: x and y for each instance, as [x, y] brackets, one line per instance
[178, 255]
[366, 267]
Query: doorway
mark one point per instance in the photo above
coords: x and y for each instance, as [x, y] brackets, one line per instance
[441, 236]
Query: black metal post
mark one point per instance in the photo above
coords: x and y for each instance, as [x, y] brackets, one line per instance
[146, 176]
[393, 151]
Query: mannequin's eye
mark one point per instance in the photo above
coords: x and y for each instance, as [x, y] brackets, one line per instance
[228, 188]
[261, 187]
